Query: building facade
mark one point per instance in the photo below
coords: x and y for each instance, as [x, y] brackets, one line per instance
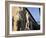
[22, 19]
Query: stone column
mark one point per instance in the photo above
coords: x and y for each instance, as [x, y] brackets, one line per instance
[15, 13]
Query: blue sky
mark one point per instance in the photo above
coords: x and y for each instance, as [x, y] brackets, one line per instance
[35, 13]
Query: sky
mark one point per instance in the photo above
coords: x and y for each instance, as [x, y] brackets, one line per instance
[35, 13]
